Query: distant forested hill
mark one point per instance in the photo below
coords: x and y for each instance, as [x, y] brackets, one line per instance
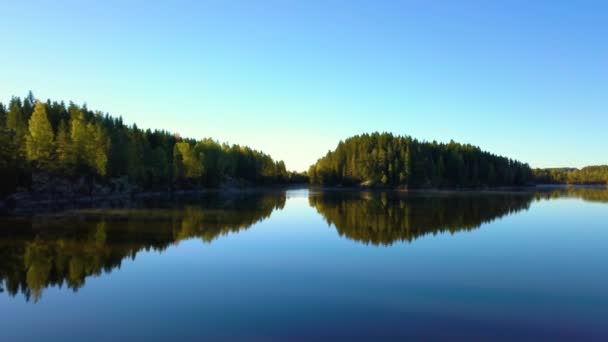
[588, 175]
[73, 141]
[387, 160]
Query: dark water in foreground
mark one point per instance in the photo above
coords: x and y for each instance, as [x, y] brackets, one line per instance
[304, 265]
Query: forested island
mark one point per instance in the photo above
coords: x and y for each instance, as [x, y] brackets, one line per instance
[388, 161]
[382, 159]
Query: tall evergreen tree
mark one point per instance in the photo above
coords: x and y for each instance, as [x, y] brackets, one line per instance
[14, 117]
[16, 121]
[96, 149]
[78, 136]
[2, 116]
[65, 150]
[40, 140]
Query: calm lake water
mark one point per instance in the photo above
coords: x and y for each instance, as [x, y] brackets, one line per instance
[303, 264]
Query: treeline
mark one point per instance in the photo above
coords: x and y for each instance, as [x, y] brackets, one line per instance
[71, 140]
[392, 161]
[590, 175]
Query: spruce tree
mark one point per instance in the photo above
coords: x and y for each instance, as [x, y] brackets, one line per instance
[2, 116]
[40, 139]
[14, 115]
[16, 122]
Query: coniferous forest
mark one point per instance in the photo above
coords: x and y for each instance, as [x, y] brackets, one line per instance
[72, 141]
[387, 160]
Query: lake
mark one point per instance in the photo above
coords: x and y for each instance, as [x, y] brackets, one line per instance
[304, 265]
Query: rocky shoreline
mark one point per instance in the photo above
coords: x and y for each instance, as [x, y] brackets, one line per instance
[49, 193]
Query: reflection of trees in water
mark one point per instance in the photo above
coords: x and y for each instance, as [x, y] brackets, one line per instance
[63, 251]
[384, 218]
[595, 194]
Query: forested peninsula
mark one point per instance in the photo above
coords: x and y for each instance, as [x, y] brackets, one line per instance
[68, 149]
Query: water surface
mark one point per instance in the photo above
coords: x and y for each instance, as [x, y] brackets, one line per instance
[309, 264]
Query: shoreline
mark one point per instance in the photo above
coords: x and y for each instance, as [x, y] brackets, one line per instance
[30, 203]
[480, 189]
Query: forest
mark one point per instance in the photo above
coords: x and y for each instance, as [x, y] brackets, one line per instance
[382, 159]
[72, 141]
[590, 175]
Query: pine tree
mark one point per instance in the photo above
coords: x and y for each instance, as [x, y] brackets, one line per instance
[14, 115]
[66, 158]
[40, 140]
[98, 149]
[78, 135]
[16, 122]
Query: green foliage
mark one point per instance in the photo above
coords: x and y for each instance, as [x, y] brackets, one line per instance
[40, 140]
[402, 161]
[16, 121]
[190, 159]
[14, 117]
[66, 158]
[588, 175]
[96, 149]
[78, 136]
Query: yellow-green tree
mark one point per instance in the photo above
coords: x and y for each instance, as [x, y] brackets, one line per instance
[78, 135]
[96, 149]
[191, 161]
[89, 143]
[40, 138]
[66, 158]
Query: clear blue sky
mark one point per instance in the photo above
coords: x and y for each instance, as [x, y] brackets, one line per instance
[526, 79]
